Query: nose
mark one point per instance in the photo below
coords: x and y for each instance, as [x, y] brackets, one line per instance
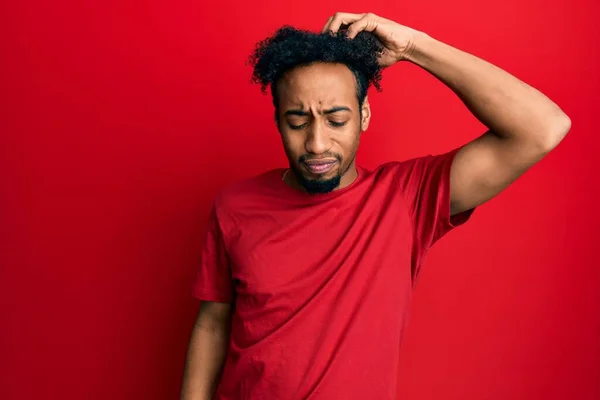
[317, 139]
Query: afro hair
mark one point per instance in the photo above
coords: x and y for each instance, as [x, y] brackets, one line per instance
[289, 47]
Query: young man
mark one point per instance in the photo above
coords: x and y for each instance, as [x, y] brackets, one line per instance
[306, 273]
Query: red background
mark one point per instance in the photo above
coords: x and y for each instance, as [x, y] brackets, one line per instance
[121, 120]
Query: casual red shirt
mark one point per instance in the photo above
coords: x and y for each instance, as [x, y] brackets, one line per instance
[322, 283]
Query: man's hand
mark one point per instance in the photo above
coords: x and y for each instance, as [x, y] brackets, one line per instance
[398, 40]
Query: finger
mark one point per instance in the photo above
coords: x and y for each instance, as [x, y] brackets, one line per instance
[343, 18]
[326, 27]
[367, 23]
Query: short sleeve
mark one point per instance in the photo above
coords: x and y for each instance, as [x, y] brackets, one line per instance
[425, 184]
[213, 278]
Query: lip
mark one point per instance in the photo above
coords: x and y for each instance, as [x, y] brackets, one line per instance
[320, 167]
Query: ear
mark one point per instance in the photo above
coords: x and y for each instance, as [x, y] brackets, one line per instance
[366, 115]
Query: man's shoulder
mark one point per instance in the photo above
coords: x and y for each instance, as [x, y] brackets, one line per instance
[397, 168]
[247, 188]
[419, 171]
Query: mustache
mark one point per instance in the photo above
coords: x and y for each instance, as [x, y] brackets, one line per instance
[308, 157]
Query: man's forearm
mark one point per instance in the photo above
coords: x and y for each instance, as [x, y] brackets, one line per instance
[510, 108]
[206, 356]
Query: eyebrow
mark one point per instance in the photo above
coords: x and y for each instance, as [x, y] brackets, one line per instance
[302, 113]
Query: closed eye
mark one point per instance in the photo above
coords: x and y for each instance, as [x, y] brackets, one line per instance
[298, 126]
[335, 124]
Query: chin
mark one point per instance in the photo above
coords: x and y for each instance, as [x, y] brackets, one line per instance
[323, 184]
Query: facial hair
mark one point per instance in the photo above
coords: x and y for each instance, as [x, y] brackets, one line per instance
[321, 186]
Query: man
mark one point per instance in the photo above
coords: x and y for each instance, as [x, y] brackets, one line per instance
[306, 273]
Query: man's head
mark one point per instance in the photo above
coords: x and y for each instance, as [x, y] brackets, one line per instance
[319, 86]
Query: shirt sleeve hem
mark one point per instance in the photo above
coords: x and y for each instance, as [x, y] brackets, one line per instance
[448, 221]
[211, 295]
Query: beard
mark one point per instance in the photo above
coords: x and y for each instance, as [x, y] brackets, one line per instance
[319, 185]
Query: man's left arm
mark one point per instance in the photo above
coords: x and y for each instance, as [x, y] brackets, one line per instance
[524, 125]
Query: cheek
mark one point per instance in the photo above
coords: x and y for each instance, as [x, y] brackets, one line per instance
[292, 144]
[349, 142]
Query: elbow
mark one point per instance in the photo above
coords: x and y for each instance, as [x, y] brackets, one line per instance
[562, 126]
[555, 133]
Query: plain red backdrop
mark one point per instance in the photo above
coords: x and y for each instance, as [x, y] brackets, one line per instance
[121, 120]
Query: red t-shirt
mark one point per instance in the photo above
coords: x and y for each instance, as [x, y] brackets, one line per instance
[322, 283]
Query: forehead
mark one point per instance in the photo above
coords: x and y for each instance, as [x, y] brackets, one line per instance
[319, 83]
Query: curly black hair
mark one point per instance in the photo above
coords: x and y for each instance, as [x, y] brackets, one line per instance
[290, 47]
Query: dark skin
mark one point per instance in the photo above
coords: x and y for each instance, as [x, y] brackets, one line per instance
[524, 125]
[207, 350]
[320, 119]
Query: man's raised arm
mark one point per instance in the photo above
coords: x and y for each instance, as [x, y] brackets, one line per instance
[524, 125]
